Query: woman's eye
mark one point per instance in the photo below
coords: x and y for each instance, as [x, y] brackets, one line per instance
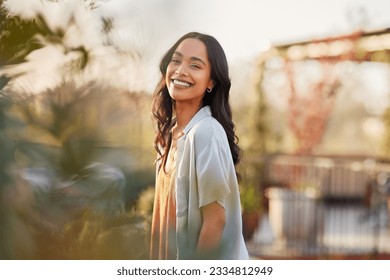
[176, 61]
[195, 66]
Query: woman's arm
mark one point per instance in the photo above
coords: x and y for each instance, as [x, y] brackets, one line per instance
[213, 223]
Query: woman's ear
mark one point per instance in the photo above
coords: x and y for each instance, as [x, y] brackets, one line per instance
[211, 85]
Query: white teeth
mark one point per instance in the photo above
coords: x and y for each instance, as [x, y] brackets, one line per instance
[181, 83]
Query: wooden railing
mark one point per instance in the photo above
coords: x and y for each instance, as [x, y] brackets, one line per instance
[348, 205]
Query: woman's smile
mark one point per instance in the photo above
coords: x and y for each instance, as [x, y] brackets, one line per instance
[181, 83]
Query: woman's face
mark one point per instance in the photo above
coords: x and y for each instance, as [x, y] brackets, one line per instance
[188, 72]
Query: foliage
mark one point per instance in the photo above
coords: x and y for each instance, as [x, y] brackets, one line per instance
[6, 146]
[261, 129]
[62, 134]
[250, 180]
[250, 199]
[59, 199]
[5, 161]
[138, 183]
[145, 202]
[308, 115]
[20, 37]
[16, 36]
[144, 206]
[94, 236]
[49, 207]
[7, 169]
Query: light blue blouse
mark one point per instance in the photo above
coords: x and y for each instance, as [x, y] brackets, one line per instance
[206, 173]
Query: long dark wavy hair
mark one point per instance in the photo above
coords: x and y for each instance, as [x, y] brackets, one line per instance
[218, 99]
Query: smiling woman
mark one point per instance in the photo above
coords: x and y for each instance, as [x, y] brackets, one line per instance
[197, 204]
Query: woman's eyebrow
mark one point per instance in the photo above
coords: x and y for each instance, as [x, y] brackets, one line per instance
[193, 58]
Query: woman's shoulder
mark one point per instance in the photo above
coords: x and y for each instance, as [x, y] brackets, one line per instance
[208, 129]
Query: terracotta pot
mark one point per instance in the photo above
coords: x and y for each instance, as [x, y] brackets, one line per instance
[250, 222]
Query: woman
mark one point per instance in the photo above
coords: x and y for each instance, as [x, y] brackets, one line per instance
[197, 206]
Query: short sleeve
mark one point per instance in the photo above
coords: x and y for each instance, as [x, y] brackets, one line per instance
[212, 156]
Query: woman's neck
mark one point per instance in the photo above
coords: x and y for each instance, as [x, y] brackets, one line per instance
[184, 114]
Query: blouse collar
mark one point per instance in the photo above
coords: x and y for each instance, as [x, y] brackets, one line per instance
[203, 113]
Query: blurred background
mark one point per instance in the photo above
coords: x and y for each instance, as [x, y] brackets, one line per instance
[310, 99]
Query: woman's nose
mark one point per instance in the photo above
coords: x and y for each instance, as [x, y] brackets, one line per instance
[181, 71]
